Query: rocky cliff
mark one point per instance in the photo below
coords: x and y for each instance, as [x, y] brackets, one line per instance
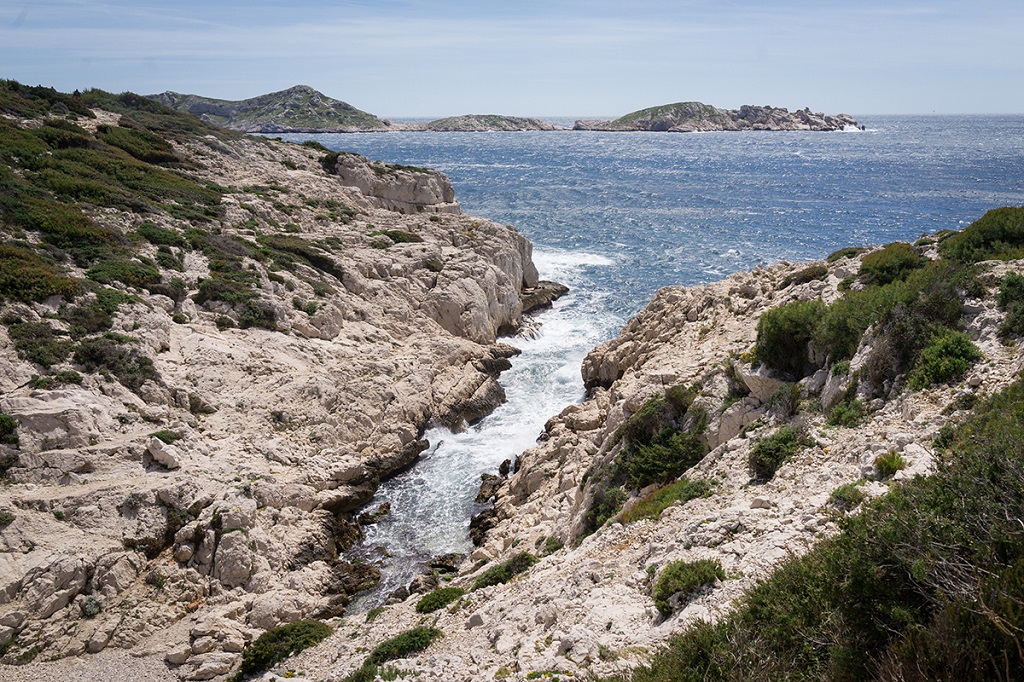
[213, 348]
[299, 109]
[606, 529]
[686, 117]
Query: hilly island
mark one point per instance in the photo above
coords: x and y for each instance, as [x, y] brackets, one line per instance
[216, 346]
[301, 109]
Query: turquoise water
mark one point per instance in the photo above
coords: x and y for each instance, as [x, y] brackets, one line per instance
[618, 215]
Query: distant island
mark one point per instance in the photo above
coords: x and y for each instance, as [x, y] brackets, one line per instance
[301, 109]
[688, 117]
[480, 123]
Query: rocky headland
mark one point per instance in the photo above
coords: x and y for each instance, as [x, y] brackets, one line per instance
[688, 117]
[210, 365]
[299, 109]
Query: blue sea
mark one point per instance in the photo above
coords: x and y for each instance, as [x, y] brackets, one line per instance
[616, 216]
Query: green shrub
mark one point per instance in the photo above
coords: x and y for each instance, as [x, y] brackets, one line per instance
[438, 599]
[846, 413]
[783, 335]
[6, 518]
[605, 503]
[889, 463]
[402, 645]
[1011, 300]
[39, 343]
[52, 381]
[847, 496]
[848, 252]
[784, 401]
[126, 364]
[841, 368]
[808, 274]
[167, 436]
[651, 506]
[161, 236]
[503, 572]
[684, 578]
[130, 272]
[8, 428]
[666, 457]
[772, 451]
[277, 644]
[999, 234]
[892, 263]
[946, 358]
[26, 276]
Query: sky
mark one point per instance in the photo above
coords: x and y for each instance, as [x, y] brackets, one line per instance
[574, 58]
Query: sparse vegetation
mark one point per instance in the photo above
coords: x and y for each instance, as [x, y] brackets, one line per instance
[772, 451]
[889, 463]
[925, 581]
[783, 334]
[651, 506]
[682, 579]
[949, 355]
[503, 572]
[277, 644]
[438, 599]
[892, 263]
[847, 496]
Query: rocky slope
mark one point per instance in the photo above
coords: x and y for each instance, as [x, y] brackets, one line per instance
[686, 117]
[299, 109]
[200, 387]
[587, 608]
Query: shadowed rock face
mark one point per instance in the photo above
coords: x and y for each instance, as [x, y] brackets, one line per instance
[183, 516]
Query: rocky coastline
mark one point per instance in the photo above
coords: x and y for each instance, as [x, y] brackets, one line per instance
[178, 504]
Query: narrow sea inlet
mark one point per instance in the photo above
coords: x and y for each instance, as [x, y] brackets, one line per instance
[618, 215]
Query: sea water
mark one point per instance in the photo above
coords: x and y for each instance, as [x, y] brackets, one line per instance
[618, 215]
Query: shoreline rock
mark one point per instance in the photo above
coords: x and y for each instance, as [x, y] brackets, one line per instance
[686, 117]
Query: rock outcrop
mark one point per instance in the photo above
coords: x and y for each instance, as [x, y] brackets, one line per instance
[686, 117]
[180, 473]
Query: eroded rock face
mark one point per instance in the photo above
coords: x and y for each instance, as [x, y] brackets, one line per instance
[398, 188]
[217, 498]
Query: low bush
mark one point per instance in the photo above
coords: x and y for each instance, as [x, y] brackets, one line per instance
[605, 503]
[39, 343]
[684, 578]
[783, 335]
[889, 264]
[6, 518]
[848, 252]
[999, 234]
[126, 364]
[1011, 300]
[26, 276]
[438, 599]
[663, 459]
[503, 572]
[277, 644]
[402, 645]
[847, 496]
[8, 429]
[784, 401]
[946, 358]
[846, 413]
[808, 274]
[398, 236]
[889, 463]
[772, 451]
[651, 506]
